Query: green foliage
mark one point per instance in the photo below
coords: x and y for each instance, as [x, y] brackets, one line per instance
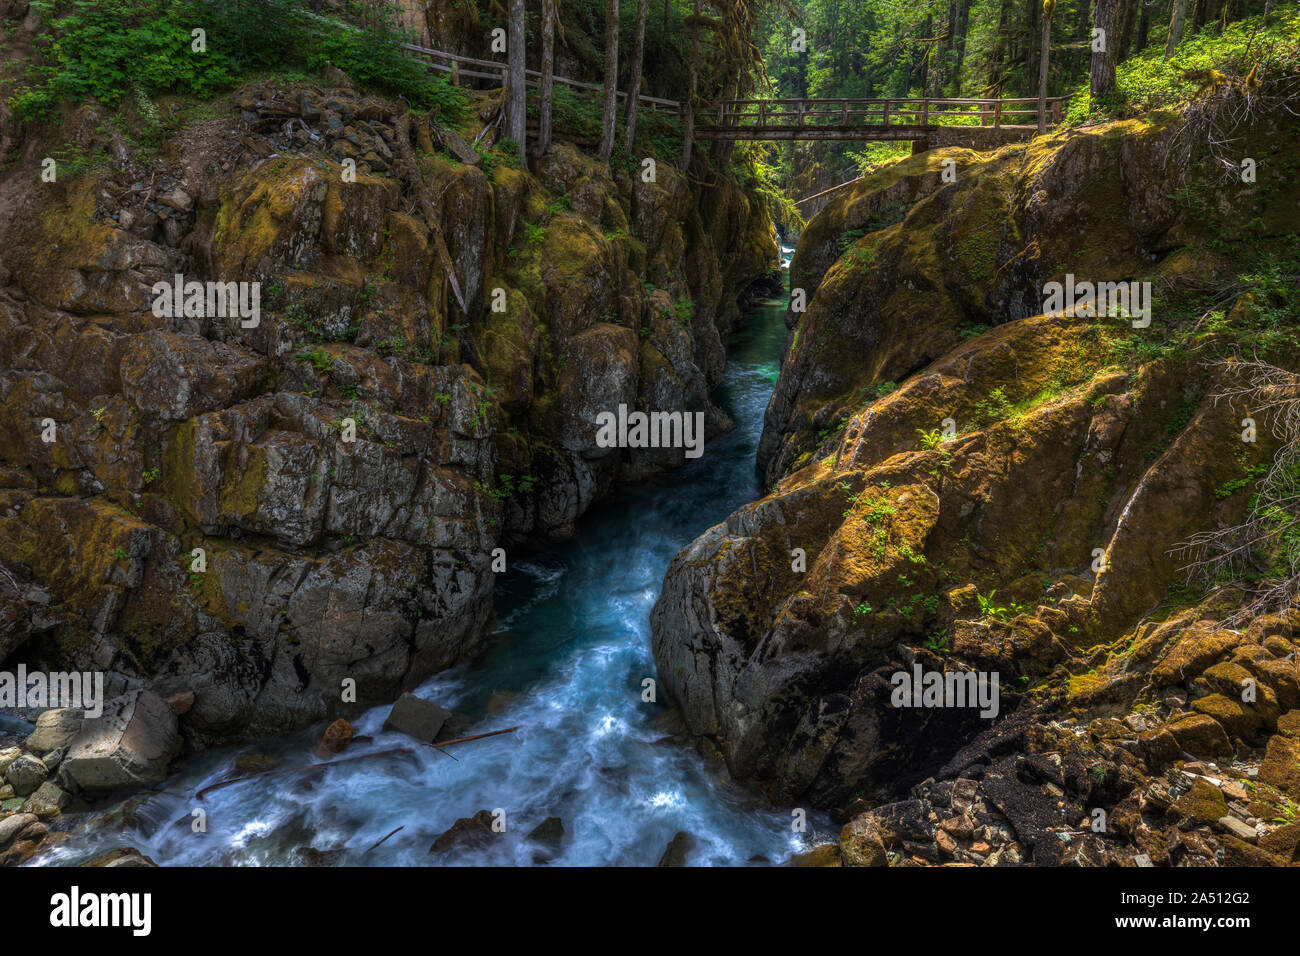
[990, 609]
[105, 48]
[319, 359]
[932, 438]
[993, 408]
[756, 166]
[1148, 80]
[534, 235]
[874, 155]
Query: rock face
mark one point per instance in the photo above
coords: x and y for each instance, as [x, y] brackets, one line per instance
[254, 513]
[960, 485]
[904, 265]
[129, 745]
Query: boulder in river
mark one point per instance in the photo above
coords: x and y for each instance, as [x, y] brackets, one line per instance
[122, 856]
[465, 832]
[678, 847]
[417, 717]
[335, 739]
[21, 835]
[549, 837]
[129, 745]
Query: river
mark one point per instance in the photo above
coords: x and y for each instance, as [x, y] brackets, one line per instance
[566, 664]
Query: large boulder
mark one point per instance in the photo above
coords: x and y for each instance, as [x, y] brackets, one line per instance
[129, 745]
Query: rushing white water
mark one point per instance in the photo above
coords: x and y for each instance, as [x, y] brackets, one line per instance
[566, 664]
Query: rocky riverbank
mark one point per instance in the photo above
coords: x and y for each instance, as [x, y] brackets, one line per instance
[196, 525]
[962, 484]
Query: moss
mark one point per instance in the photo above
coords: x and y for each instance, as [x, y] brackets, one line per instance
[241, 491]
[1202, 804]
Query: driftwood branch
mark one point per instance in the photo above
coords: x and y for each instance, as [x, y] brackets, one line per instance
[385, 837]
[324, 765]
[462, 740]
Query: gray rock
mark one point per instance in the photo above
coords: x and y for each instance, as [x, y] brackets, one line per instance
[55, 729]
[678, 847]
[177, 199]
[129, 745]
[53, 759]
[8, 756]
[26, 774]
[11, 826]
[457, 146]
[548, 834]
[122, 856]
[49, 800]
[416, 717]
[1238, 829]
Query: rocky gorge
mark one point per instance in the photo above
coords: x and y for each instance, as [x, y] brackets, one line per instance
[370, 506]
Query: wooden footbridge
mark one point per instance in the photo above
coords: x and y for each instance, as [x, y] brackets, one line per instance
[870, 119]
[916, 119]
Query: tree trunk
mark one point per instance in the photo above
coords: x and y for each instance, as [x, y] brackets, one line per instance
[1101, 73]
[547, 84]
[944, 74]
[609, 120]
[1032, 47]
[924, 77]
[963, 23]
[517, 94]
[634, 86]
[1144, 26]
[1048, 7]
[1177, 24]
[1127, 15]
[994, 73]
[688, 137]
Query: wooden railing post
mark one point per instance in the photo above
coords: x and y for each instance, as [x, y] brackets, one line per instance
[884, 116]
[997, 115]
[455, 73]
[925, 112]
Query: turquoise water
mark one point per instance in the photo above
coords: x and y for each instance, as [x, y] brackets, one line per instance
[566, 664]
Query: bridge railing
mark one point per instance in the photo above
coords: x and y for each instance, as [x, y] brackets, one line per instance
[850, 112]
[499, 71]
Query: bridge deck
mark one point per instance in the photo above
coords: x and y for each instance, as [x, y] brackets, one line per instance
[898, 119]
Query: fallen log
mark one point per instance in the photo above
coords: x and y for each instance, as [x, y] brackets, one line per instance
[323, 765]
